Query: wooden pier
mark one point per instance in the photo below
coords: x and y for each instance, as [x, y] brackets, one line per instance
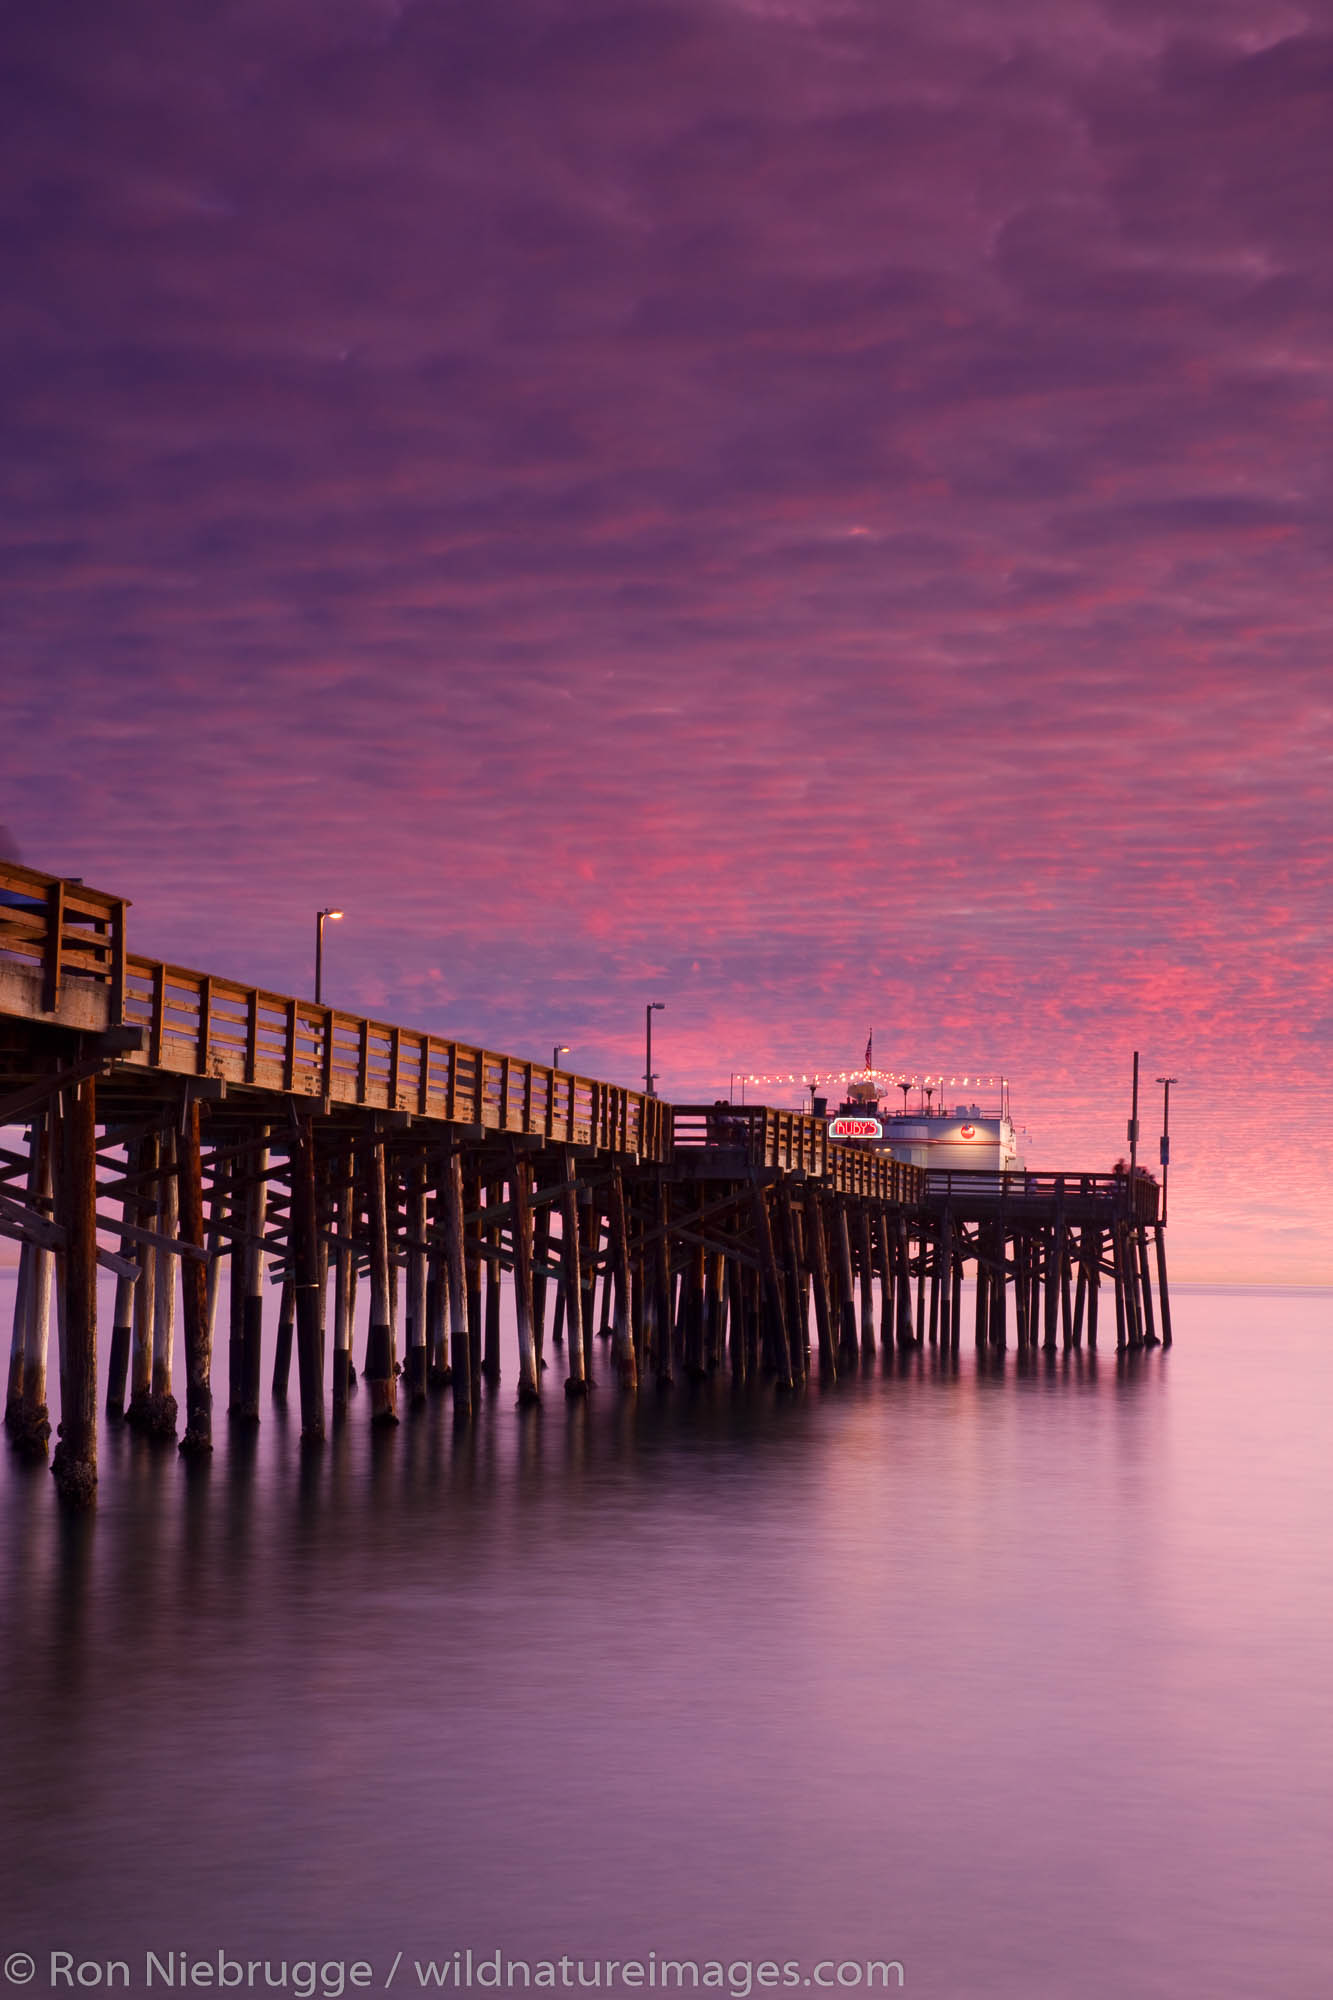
[178, 1122]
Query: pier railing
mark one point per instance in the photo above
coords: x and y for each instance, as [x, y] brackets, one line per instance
[57, 931]
[198, 1025]
[756, 1136]
[967, 1187]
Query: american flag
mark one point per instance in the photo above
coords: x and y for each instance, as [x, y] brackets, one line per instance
[869, 1039]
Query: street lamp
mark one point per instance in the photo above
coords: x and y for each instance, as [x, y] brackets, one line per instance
[321, 918]
[652, 1007]
[560, 1049]
[1165, 1151]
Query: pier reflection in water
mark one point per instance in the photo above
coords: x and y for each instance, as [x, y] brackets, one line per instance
[1016, 1671]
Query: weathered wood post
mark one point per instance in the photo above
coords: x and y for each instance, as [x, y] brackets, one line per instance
[18, 1334]
[139, 1414]
[848, 1345]
[1145, 1286]
[867, 1282]
[1159, 1232]
[282, 1346]
[903, 1286]
[417, 1253]
[252, 1265]
[520, 1186]
[304, 1247]
[1094, 1284]
[1000, 1288]
[981, 1324]
[75, 1460]
[774, 1313]
[796, 1289]
[1118, 1273]
[380, 1357]
[662, 1285]
[541, 1258]
[122, 1322]
[944, 1257]
[590, 1235]
[817, 1261]
[625, 1356]
[884, 1263]
[32, 1424]
[344, 1259]
[218, 1211]
[736, 1330]
[490, 1359]
[576, 1382]
[198, 1438]
[164, 1406]
[460, 1341]
[472, 1261]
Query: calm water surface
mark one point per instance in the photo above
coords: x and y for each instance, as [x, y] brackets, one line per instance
[1023, 1679]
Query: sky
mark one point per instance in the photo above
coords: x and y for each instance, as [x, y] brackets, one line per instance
[816, 514]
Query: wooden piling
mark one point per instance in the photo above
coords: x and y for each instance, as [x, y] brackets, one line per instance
[849, 1348]
[455, 1264]
[796, 1288]
[344, 1262]
[520, 1187]
[304, 1247]
[472, 1262]
[32, 1426]
[18, 1333]
[774, 1310]
[903, 1281]
[122, 1319]
[662, 1287]
[417, 1256]
[284, 1342]
[1163, 1296]
[1145, 1286]
[816, 1255]
[381, 1361]
[75, 1460]
[490, 1356]
[198, 1438]
[884, 1261]
[139, 1414]
[571, 1278]
[252, 1266]
[623, 1348]
[867, 1283]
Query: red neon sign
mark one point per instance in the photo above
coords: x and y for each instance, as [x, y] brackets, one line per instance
[855, 1128]
[967, 1132]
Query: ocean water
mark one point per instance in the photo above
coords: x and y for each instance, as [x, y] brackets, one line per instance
[1018, 1678]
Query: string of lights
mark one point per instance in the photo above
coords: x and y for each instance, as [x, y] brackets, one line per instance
[895, 1078]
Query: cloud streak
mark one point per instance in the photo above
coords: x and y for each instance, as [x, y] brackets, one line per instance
[819, 509]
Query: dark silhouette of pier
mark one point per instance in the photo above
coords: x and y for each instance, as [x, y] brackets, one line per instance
[179, 1121]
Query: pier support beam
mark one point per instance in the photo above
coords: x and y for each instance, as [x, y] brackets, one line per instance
[31, 1428]
[520, 1184]
[304, 1244]
[380, 1369]
[571, 1279]
[198, 1438]
[75, 1460]
[626, 1359]
[460, 1340]
[816, 1254]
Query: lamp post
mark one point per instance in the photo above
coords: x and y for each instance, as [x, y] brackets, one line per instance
[321, 918]
[1165, 1151]
[560, 1049]
[1134, 1124]
[652, 1007]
